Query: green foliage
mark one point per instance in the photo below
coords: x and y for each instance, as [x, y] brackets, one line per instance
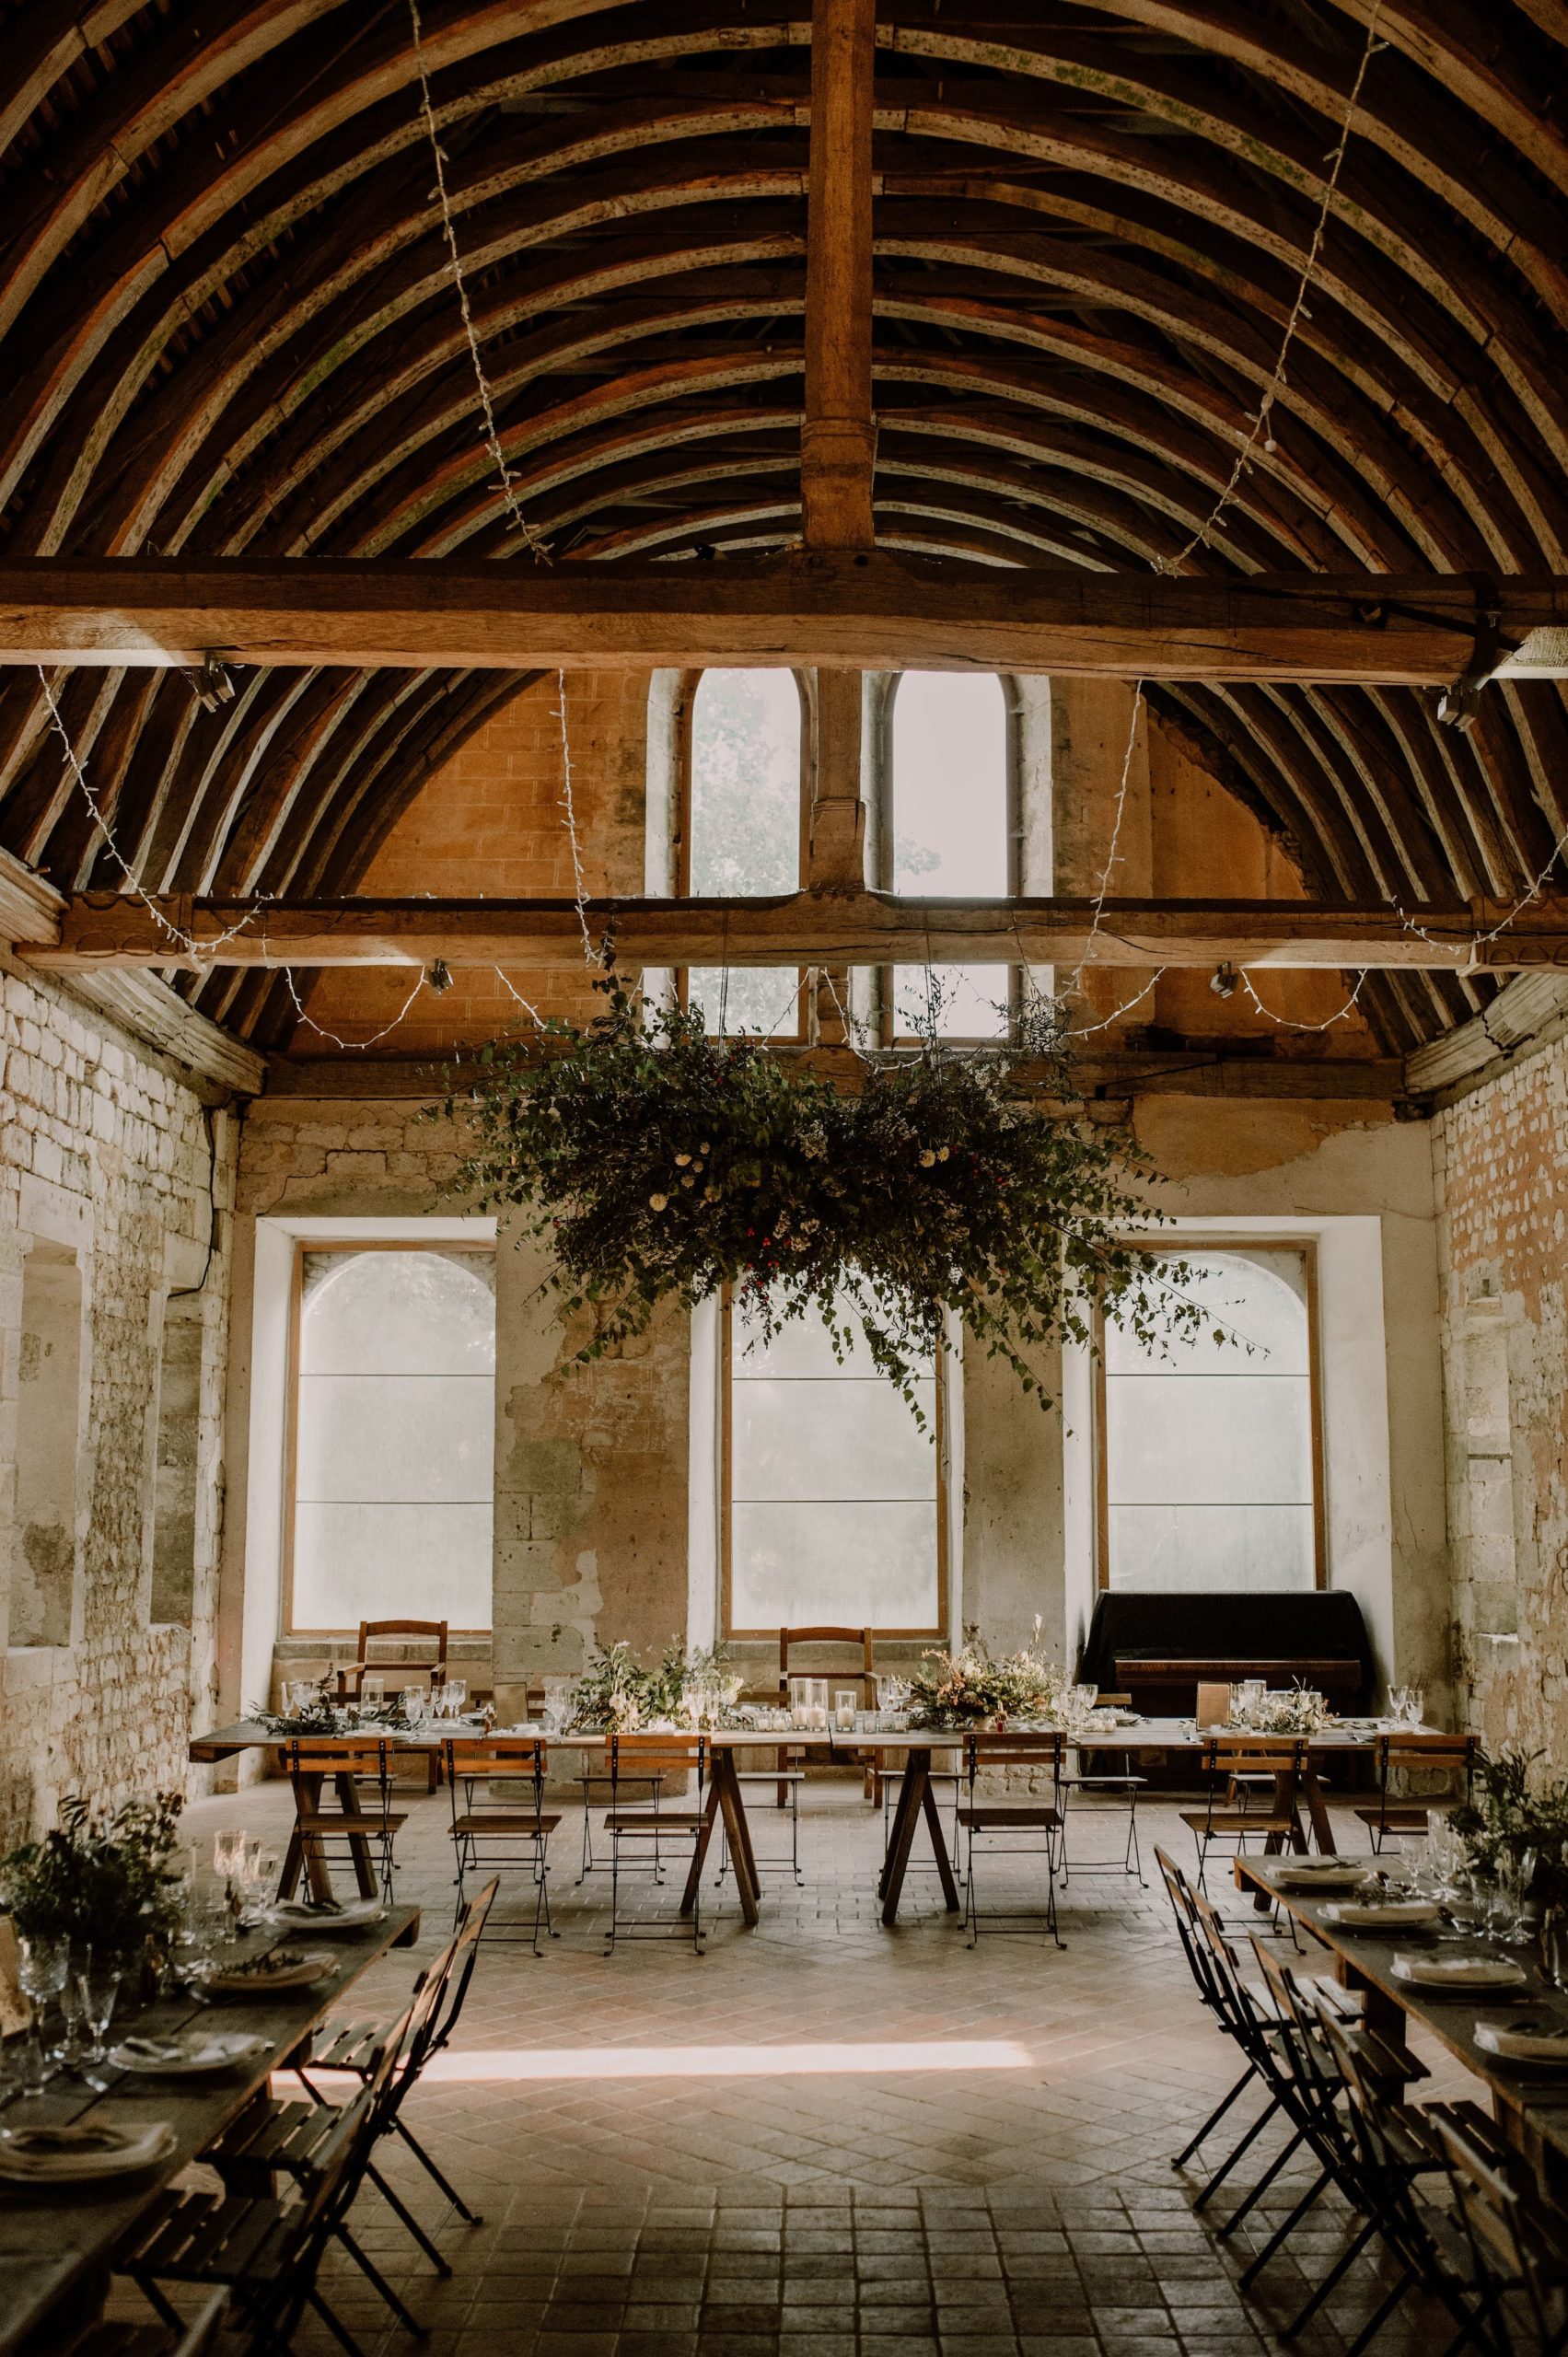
[662, 1164]
[1505, 1815]
[617, 1695]
[970, 1687]
[105, 1884]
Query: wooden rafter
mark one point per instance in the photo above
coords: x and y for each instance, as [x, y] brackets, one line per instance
[836, 610]
[831, 928]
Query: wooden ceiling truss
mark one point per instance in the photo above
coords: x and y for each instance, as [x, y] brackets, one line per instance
[1017, 311]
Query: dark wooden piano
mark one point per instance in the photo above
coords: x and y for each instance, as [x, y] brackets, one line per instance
[1158, 1649]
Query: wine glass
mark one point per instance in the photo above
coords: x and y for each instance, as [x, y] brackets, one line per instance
[42, 1967]
[228, 1854]
[98, 1981]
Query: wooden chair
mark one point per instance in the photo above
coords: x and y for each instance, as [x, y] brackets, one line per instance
[110, 2339]
[863, 1675]
[353, 2046]
[1400, 1753]
[1228, 1756]
[429, 1636]
[392, 1640]
[359, 1768]
[267, 2252]
[1007, 1819]
[1517, 2246]
[488, 1838]
[637, 1759]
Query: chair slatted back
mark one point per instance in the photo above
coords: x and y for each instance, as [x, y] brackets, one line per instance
[364, 1758]
[1411, 1747]
[463, 1955]
[1254, 1755]
[431, 1635]
[658, 1754]
[857, 1638]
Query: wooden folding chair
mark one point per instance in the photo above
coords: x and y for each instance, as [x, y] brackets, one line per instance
[359, 1769]
[789, 1772]
[497, 1837]
[1228, 1757]
[411, 1651]
[1408, 1751]
[636, 1760]
[1015, 1824]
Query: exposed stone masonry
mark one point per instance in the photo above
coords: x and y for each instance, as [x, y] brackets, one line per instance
[108, 1165]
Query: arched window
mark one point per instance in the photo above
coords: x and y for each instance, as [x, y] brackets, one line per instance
[741, 833]
[951, 835]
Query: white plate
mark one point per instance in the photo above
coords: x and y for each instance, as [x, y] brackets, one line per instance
[1427, 1972]
[291, 1916]
[142, 2148]
[303, 1975]
[193, 2056]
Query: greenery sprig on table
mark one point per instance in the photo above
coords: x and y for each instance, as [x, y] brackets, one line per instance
[974, 1686]
[326, 1715]
[617, 1695]
[104, 1883]
[662, 1164]
[1512, 1809]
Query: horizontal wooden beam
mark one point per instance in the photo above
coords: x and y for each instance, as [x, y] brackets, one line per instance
[1107, 1076]
[820, 928]
[843, 609]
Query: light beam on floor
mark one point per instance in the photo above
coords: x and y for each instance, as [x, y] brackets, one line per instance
[875, 2057]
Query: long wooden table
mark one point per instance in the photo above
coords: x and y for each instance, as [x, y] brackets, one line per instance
[57, 2242]
[916, 1802]
[1530, 2103]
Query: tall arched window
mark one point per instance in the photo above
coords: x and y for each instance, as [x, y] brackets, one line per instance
[950, 834]
[741, 833]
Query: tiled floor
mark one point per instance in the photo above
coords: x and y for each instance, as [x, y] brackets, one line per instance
[824, 2138]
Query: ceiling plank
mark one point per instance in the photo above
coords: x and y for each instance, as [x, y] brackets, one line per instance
[843, 610]
[836, 927]
[838, 438]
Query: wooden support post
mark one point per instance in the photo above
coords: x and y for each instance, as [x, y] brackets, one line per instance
[838, 436]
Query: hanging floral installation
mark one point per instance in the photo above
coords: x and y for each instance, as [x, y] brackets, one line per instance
[664, 1164]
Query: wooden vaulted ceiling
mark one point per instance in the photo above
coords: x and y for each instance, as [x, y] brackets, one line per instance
[227, 326]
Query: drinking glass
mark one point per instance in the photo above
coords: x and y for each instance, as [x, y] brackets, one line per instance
[228, 1854]
[1415, 1706]
[1516, 1872]
[412, 1698]
[68, 2053]
[373, 1690]
[457, 1695]
[99, 1985]
[43, 1966]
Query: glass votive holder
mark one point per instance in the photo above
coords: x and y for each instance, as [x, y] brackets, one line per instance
[844, 1702]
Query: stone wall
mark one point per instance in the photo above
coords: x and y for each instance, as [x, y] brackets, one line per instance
[115, 1187]
[1502, 1165]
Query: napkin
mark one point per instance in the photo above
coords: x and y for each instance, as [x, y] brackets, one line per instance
[1373, 1913]
[1458, 1971]
[83, 2151]
[1520, 2042]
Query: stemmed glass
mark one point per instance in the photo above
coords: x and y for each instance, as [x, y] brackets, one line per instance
[98, 1981]
[42, 1967]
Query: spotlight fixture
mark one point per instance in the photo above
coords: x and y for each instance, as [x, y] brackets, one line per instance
[439, 977]
[212, 685]
[1223, 980]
